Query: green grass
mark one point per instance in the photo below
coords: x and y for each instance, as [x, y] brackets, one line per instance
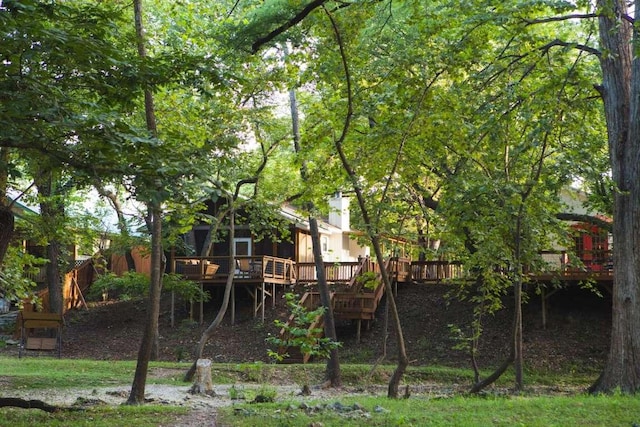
[456, 411]
[138, 416]
[44, 372]
[529, 409]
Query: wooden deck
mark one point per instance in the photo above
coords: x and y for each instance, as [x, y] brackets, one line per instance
[354, 300]
[246, 269]
[258, 275]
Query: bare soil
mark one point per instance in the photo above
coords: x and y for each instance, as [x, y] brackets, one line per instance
[576, 335]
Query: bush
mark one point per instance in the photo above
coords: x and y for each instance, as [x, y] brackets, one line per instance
[133, 285]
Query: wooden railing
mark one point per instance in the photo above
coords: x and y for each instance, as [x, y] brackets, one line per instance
[335, 272]
[216, 268]
[436, 271]
[584, 261]
[310, 301]
[399, 269]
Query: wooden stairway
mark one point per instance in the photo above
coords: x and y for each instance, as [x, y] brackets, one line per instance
[291, 354]
[354, 302]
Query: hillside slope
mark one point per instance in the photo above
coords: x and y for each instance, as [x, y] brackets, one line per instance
[576, 335]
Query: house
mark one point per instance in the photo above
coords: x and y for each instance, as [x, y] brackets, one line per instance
[336, 237]
[591, 242]
[274, 260]
[79, 271]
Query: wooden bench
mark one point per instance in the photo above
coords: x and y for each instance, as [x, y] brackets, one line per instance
[31, 320]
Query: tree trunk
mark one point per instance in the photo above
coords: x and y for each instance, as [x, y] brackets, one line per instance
[51, 213]
[208, 333]
[122, 220]
[403, 360]
[54, 278]
[517, 335]
[153, 310]
[621, 95]
[7, 229]
[480, 385]
[332, 373]
[7, 219]
[203, 383]
[150, 334]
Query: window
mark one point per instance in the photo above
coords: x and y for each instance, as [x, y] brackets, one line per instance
[324, 244]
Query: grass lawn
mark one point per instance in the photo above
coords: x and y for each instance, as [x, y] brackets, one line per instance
[536, 407]
[559, 411]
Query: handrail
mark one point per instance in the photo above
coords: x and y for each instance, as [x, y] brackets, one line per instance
[264, 267]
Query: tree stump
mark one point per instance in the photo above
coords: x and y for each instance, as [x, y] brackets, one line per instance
[202, 383]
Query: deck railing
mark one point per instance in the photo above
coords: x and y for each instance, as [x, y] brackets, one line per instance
[436, 271]
[335, 272]
[310, 301]
[216, 268]
[279, 270]
[598, 260]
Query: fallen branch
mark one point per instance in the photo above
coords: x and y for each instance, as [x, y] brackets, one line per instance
[29, 404]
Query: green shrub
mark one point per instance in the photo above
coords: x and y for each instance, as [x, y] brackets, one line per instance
[132, 285]
[299, 334]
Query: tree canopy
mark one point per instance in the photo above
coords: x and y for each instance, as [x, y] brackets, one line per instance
[456, 122]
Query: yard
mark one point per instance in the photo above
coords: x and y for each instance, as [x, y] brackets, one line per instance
[100, 345]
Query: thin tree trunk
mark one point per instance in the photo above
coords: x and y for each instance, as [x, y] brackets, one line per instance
[517, 295]
[153, 310]
[53, 277]
[332, 372]
[208, 333]
[150, 334]
[403, 360]
[480, 385]
[7, 229]
[517, 336]
[7, 219]
[122, 221]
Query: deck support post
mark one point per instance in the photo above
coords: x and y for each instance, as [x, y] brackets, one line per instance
[544, 307]
[233, 304]
[273, 296]
[201, 304]
[358, 329]
[264, 299]
[253, 292]
[173, 309]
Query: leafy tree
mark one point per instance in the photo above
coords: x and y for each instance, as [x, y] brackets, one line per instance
[15, 285]
[50, 79]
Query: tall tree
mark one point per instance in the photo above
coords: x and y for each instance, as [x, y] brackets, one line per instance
[154, 222]
[332, 372]
[620, 92]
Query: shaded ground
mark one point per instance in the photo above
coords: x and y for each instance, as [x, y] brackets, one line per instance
[576, 334]
[576, 337]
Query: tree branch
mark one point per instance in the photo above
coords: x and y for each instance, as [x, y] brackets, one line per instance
[29, 404]
[560, 18]
[582, 47]
[255, 47]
